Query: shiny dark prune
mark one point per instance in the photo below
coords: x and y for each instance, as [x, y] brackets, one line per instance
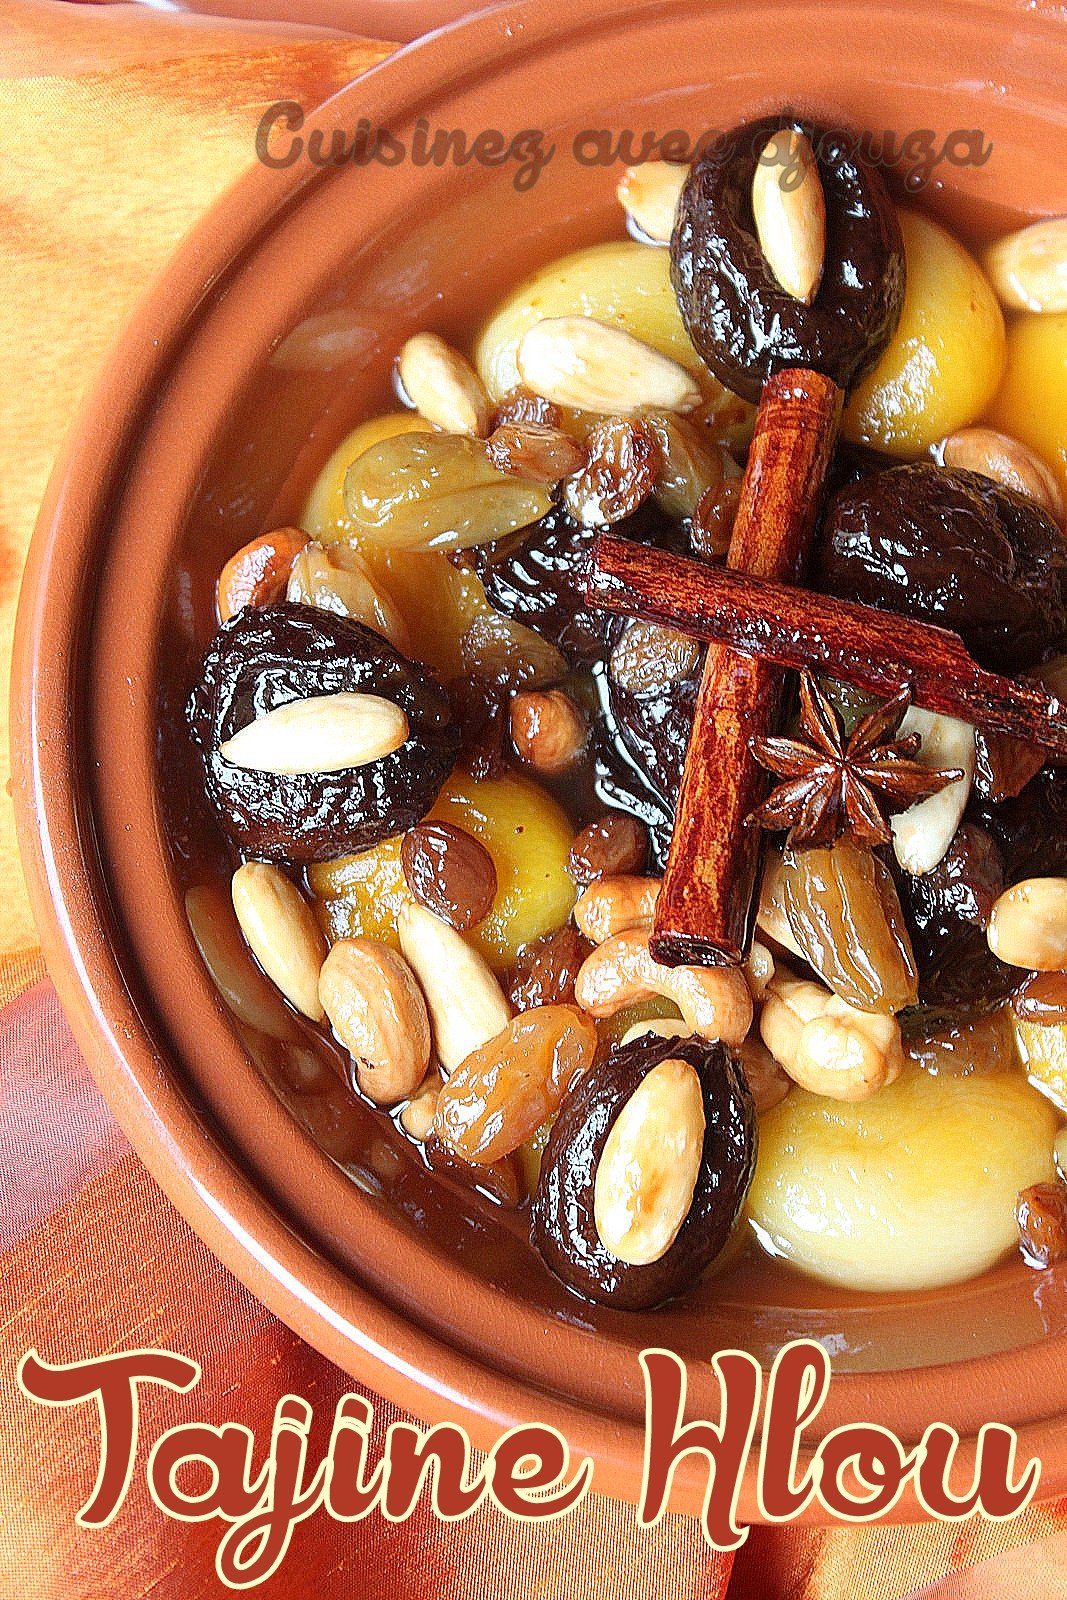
[745, 325]
[538, 576]
[952, 548]
[1031, 829]
[948, 910]
[266, 657]
[653, 728]
[563, 1225]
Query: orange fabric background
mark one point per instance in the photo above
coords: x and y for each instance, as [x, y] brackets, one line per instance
[119, 125]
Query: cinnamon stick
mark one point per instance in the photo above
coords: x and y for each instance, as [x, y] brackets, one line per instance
[879, 651]
[704, 910]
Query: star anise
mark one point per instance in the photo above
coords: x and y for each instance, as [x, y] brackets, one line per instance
[832, 782]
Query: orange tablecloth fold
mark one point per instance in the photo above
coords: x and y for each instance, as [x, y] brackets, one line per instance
[120, 125]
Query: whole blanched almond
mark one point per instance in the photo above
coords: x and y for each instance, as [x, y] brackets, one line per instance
[650, 1163]
[922, 834]
[789, 209]
[280, 929]
[377, 1011]
[577, 361]
[326, 733]
[443, 386]
[467, 1005]
[649, 194]
[1029, 268]
[1007, 461]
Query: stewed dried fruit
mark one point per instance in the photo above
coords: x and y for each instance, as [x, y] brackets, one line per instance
[564, 1212]
[612, 845]
[713, 518]
[691, 462]
[504, 986]
[845, 916]
[620, 472]
[436, 491]
[956, 549]
[536, 451]
[948, 911]
[504, 653]
[502, 1093]
[739, 316]
[648, 658]
[539, 577]
[546, 969]
[1042, 1217]
[268, 658]
[450, 872]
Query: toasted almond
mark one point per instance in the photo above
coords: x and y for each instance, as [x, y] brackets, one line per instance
[467, 1004]
[376, 1009]
[1028, 925]
[258, 573]
[326, 733]
[649, 194]
[1007, 461]
[281, 932]
[790, 213]
[1029, 268]
[443, 386]
[648, 1169]
[577, 361]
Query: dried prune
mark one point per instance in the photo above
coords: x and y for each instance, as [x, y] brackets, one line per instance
[745, 325]
[539, 576]
[267, 657]
[948, 910]
[653, 728]
[1031, 829]
[564, 1225]
[952, 548]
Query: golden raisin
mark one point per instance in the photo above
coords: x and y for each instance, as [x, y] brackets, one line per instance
[503, 1092]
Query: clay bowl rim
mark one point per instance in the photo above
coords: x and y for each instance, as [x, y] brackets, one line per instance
[82, 947]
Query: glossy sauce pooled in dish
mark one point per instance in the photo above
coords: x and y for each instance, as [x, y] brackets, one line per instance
[445, 782]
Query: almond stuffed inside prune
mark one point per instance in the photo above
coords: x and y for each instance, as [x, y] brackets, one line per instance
[564, 1223]
[741, 319]
[270, 656]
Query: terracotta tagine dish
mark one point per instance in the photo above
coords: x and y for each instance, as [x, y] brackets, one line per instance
[539, 750]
